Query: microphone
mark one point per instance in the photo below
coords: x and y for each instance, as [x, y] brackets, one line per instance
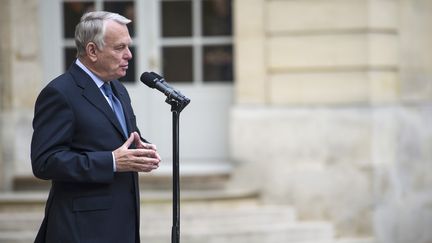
[155, 81]
[162, 80]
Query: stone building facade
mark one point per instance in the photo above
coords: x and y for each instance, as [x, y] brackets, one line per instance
[332, 108]
[332, 113]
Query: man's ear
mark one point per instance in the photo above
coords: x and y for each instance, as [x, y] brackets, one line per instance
[91, 50]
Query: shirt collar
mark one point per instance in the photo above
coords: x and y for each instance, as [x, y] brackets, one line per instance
[95, 78]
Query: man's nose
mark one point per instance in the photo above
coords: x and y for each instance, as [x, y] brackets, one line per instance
[128, 54]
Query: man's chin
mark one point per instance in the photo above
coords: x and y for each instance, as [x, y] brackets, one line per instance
[121, 74]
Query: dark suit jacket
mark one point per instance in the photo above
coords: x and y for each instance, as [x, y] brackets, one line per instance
[75, 132]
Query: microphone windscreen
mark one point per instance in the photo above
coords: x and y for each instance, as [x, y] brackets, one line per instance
[149, 79]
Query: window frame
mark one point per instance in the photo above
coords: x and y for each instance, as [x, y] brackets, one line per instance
[197, 41]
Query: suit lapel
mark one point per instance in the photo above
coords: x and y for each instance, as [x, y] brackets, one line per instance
[92, 93]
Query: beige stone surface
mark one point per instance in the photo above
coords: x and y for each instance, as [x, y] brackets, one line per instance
[5, 56]
[21, 82]
[5, 100]
[359, 50]
[251, 85]
[365, 168]
[314, 16]
[384, 87]
[416, 49]
[402, 181]
[26, 67]
[250, 68]
[301, 16]
[338, 87]
[384, 14]
[320, 87]
[318, 159]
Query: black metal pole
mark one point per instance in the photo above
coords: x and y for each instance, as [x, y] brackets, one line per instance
[175, 231]
[177, 103]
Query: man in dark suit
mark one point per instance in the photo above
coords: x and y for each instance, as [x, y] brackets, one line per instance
[86, 141]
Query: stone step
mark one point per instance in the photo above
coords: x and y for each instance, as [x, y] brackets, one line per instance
[194, 175]
[220, 224]
[20, 222]
[229, 216]
[247, 233]
[252, 223]
[356, 240]
[263, 215]
[347, 240]
[22, 201]
[17, 237]
[35, 201]
[218, 217]
[28, 237]
[294, 232]
[200, 222]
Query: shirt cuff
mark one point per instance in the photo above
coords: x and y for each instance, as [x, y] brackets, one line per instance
[114, 162]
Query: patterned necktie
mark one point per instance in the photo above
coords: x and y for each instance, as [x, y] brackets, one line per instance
[116, 106]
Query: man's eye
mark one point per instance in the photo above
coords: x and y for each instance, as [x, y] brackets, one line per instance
[120, 47]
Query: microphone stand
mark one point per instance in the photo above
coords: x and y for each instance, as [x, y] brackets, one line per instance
[176, 108]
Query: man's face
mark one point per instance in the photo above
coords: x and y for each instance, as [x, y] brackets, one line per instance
[112, 61]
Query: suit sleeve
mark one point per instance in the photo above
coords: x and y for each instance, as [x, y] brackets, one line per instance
[52, 155]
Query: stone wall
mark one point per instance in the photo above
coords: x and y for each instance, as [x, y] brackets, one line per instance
[332, 111]
[20, 82]
[316, 52]
[402, 179]
[5, 94]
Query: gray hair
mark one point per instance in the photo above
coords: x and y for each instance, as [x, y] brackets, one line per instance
[91, 28]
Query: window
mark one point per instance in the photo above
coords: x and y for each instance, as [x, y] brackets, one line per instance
[72, 12]
[196, 40]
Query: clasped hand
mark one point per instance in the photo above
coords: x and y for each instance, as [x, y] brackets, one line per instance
[144, 158]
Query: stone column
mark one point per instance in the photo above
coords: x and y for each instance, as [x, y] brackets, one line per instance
[21, 80]
[5, 92]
